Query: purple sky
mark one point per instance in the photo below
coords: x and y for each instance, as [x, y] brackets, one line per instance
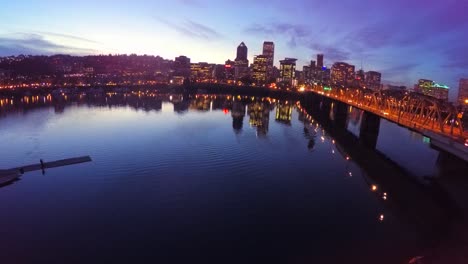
[404, 39]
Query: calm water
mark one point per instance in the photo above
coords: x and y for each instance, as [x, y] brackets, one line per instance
[231, 180]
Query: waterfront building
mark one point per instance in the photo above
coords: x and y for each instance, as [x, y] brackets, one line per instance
[229, 67]
[181, 67]
[288, 71]
[342, 73]
[269, 51]
[201, 72]
[373, 80]
[430, 88]
[241, 68]
[260, 69]
[463, 93]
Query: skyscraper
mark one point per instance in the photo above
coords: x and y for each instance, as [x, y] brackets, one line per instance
[260, 68]
[463, 93]
[241, 62]
[319, 61]
[288, 70]
[269, 51]
[242, 52]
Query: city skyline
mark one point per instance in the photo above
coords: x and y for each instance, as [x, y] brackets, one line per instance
[393, 41]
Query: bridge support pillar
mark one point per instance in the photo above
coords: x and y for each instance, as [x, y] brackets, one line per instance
[341, 114]
[312, 101]
[325, 106]
[369, 132]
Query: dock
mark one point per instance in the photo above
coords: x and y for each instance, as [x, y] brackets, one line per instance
[10, 175]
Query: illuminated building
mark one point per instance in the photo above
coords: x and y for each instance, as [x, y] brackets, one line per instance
[201, 72]
[463, 93]
[430, 88]
[269, 51]
[259, 114]
[320, 61]
[260, 68]
[181, 67]
[373, 80]
[359, 78]
[229, 67]
[422, 83]
[241, 62]
[309, 72]
[342, 73]
[288, 71]
[284, 113]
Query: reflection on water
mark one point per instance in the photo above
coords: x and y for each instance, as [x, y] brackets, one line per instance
[191, 177]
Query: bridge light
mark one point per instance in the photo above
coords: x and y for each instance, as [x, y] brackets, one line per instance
[381, 217]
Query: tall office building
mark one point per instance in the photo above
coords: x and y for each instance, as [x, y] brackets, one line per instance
[320, 61]
[242, 52]
[269, 51]
[260, 68]
[373, 80]
[463, 93]
[342, 73]
[288, 70]
[241, 62]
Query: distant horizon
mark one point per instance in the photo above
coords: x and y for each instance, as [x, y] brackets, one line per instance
[405, 41]
[328, 65]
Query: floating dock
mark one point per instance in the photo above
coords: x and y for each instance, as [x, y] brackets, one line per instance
[10, 175]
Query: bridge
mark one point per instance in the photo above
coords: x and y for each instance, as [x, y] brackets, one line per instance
[412, 110]
[436, 119]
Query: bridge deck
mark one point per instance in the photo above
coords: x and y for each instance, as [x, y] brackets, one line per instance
[416, 125]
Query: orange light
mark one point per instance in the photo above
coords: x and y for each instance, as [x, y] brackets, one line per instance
[374, 188]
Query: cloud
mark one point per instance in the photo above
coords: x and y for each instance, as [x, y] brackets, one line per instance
[35, 44]
[331, 52]
[46, 33]
[296, 33]
[192, 29]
